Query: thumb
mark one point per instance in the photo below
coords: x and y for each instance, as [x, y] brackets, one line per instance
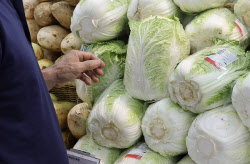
[89, 65]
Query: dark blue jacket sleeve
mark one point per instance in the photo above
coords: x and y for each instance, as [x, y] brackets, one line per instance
[1, 52]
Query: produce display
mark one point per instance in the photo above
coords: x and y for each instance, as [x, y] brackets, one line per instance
[176, 83]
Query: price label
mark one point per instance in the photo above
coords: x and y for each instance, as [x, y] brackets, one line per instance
[138, 152]
[241, 27]
[79, 157]
[221, 59]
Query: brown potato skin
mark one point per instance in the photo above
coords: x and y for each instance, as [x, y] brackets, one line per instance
[48, 54]
[70, 42]
[77, 119]
[63, 12]
[62, 109]
[50, 37]
[33, 28]
[43, 15]
[45, 63]
[29, 7]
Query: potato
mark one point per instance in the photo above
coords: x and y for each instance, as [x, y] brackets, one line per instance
[43, 15]
[62, 109]
[72, 2]
[68, 139]
[45, 63]
[77, 119]
[53, 97]
[38, 51]
[70, 42]
[29, 7]
[50, 37]
[33, 28]
[63, 12]
[47, 54]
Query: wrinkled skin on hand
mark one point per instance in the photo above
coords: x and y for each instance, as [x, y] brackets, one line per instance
[75, 64]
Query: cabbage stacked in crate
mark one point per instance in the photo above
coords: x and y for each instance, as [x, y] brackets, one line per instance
[176, 81]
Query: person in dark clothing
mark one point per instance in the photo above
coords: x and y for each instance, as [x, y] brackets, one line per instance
[30, 132]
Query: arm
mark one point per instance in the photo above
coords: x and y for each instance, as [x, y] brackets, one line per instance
[72, 66]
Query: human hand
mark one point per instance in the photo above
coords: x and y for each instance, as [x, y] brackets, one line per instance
[75, 64]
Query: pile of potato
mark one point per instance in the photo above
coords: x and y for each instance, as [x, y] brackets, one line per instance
[49, 24]
[72, 119]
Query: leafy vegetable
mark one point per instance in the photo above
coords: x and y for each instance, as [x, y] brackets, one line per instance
[194, 6]
[242, 11]
[219, 23]
[165, 127]
[198, 84]
[106, 155]
[155, 46]
[115, 120]
[217, 137]
[99, 20]
[241, 98]
[141, 9]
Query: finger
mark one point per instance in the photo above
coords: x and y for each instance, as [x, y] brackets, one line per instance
[93, 76]
[98, 71]
[85, 79]
[84, 56]
[88, 65]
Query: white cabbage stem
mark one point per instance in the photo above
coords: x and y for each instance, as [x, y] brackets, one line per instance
[218, 137]
[165, 126]
[115, 120]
